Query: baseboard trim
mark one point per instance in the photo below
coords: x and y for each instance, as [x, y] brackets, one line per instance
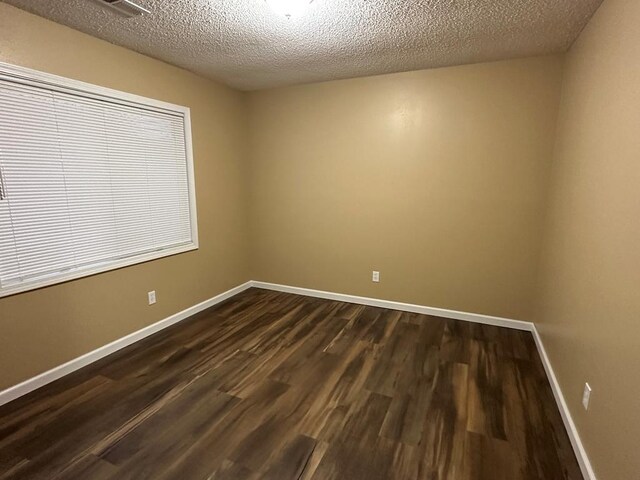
[60, 371]
[569, 425]
[405, 307]
[49, 376]
[576, 443]
[55, 373]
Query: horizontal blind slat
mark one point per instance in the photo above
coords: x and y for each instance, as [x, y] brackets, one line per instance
[87, 181]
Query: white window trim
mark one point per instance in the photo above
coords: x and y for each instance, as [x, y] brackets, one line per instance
[27, 76]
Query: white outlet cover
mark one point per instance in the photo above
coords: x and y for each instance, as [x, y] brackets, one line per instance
[586, 396]
[375, 277]
[152, 297]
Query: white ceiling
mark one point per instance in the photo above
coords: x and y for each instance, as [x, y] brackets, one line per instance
[244, 44]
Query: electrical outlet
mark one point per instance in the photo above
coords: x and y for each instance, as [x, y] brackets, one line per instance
[375, 277]
[586, 396]
[152, 297]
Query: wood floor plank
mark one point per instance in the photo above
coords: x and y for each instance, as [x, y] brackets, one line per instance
[456, 346]
[270, 385]
[88, 466]
[442, 446]
[486, 412]
[489, 458]
[206, 453]
[196, 408]
[232, 471]
[292, 461]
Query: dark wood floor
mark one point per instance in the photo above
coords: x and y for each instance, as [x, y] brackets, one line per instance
[277, 386]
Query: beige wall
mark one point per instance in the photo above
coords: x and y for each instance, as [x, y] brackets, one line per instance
[440, 179]
[44, 328]
[435, 178]
[590, 281]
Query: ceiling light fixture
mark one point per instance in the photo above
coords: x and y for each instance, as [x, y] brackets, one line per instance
[128, 8]
[289, 8]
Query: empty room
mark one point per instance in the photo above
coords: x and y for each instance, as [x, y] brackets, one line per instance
[320, 239]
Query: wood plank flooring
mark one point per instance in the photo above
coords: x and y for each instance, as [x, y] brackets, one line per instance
[277, 386]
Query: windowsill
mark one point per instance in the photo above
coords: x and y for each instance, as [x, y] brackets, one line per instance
[89, 271]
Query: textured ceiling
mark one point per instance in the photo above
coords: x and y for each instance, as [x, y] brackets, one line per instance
[244, 44]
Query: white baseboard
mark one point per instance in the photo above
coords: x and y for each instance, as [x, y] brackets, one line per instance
[572, 431]
[576, 443]
[55, 373]
[49, 376]
[405, 307]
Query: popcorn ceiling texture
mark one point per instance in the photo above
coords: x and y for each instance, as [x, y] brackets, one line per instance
[244, 44]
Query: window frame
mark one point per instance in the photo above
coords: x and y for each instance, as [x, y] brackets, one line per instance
[35, 78]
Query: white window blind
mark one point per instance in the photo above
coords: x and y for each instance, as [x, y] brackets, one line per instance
[88, 182]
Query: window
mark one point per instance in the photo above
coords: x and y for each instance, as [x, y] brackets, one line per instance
[90, 180]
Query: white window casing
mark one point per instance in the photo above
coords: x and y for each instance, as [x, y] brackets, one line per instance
[91, 179]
